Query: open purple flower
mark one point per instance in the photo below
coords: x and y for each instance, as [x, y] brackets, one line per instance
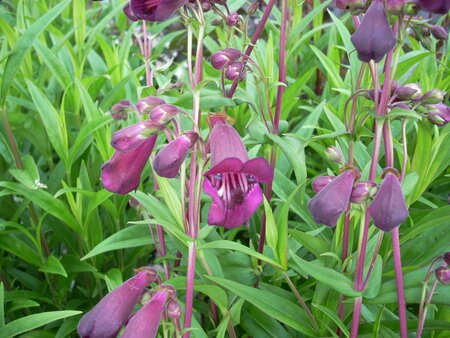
[329, 204]
[388, 209]
[374, 37]
[145, 322]
[169, 160]
[122, 173]
[108, 316]
[233, 180]
[153, 10]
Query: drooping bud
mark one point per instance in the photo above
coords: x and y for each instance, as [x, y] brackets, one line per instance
[446, 258]
[334, 154]
[439, 114]
[169, 160]
[395, 6]
[128, 138]
[321, 182]
[235, 72]
[253, 8]
[147, 104]
[164, 113]
[121, 110]
[233, 19]
[388, 209]
[206, 6]
[329, 204]
[409, 91]
[224, 58]
[443, 274]
[433, 96]
[435, 6]
[108, 316]
[362, 191]
[374, 37]
[173, 309]
[145, 322]
[439, 32]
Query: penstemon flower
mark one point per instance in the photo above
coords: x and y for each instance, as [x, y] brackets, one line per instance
[233, 180]
[109, 315]
[152, 10]
[374, 37]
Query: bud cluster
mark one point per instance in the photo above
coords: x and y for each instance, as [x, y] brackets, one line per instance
[231, 61]
[442, 273]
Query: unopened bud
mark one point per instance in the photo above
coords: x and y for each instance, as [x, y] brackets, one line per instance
[151, 273]
[224, 58]
[362, 191]
[439, 114]
[446, 258]
[443, 274]
[235, 72]
[253, 8]
[433, 96]
[439, 32]
[147, 104]
[335, 155]
[350, 4]
[168, 288]
[321, 182]
[395, 6]
[173, 309]
[164, 113]
[121, 110]
[233, 19]
[409, 91]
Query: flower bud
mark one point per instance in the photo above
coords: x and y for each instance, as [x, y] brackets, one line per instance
[349, 4]
[173, 309]
[395, 6]
[334, 154]
[164, 113]
[167, 288]
[362, 191]
[169, 160]
[121, 110]
[374, 38]
[443, 274]
[329, 204]
[321, 182]
[235, 72]
[388, 209]
[130, 137]
[446, 258]
[206, 6]
[433, 96]
[439, 114]
[439, 32]
[409, 91]
[224, 58]
[233, 19]
[253, 8]
[147, 104]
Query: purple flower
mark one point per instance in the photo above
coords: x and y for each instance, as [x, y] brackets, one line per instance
[374, 37]
[145, 322]
[128, 138]
[321, 182]
[147, 104]
[108, 316]
[388, 209]
[232, 19]
[169, 160]
[435, 6]
[153, 10]
[233, 180]
[122, 173]
[329, 204]
[443, 274]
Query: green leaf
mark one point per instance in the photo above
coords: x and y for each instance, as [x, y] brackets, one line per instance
[330, 68]
[228, 245]
[271, 229]
[2, 304]
[313, 244]
[332, 315]
[54, 266]
[19, 248]
[24, 44]
[171, 198]
[136, 235]
[271, 304]
[34, 321]
[327, 276]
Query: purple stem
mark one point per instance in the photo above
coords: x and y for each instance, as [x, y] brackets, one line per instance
[399, 281]
[192, 254]
[256, 35]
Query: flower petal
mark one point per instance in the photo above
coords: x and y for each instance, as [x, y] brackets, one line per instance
[259, 168]
[228, 165]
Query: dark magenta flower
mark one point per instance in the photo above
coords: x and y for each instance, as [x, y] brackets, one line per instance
[329, 204]
[169, 160]
[435, 6]
[235, 71]
[128, 138]
[145, 322]
[108, 316]
[147, 104]
[122, 173]
[233, 19]
[224, 58]
[153, 10]
[388, 209]
[233, 180]
[374, 37]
